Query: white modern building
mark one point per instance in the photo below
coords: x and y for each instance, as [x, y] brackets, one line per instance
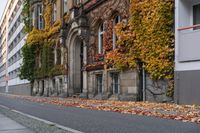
[12, 40]
[187, 51]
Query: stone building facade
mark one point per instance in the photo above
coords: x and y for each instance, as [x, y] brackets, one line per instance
[98, 81]
[82, 53]
[56, 85]
[87, 76]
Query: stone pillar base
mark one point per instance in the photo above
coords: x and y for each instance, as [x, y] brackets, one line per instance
[54, 95]
[63, 95]
[70, 92]
[46, 95]
[91, 95]
[84, 95]
[104, 96]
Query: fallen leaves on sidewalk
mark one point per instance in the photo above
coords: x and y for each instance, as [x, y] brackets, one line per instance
[185, 113]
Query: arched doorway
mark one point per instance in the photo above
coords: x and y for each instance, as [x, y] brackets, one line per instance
[76, 45]
[76, 65]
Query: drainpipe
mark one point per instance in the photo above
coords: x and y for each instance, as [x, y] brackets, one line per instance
[144, 84]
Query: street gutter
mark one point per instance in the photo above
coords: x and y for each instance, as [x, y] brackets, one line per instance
[38, 123]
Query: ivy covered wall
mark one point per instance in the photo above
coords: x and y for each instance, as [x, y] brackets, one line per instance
[147, 38]
[38, 53]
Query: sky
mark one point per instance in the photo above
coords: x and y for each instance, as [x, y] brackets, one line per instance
[2, 6]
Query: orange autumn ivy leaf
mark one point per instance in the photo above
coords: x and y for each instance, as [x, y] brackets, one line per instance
[147, 37]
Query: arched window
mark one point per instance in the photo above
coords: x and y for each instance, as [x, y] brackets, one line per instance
[33, 19]
[117, 20]
[100, 38]
[40, 23]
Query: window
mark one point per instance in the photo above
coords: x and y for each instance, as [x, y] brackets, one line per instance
[33, 18]
[115, 83]
[54, 12]
[100, 38]
[40, 19]
[65, 6]
[99, 79]
[117, 20]
[196, 15]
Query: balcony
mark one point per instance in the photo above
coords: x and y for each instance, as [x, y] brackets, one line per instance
[189, 43]
[188, 30]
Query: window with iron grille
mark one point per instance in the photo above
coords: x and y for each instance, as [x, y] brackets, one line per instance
[99, 80]
[115, 83]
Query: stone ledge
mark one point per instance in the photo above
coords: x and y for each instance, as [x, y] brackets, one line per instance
[127, 97]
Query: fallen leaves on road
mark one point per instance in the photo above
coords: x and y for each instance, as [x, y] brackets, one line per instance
[185, 113]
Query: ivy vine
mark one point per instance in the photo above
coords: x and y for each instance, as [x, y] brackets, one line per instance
[148, 38]
[40, 46]
[26, 15]
[28, 63]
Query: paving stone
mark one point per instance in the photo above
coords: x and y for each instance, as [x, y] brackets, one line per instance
[8, 125]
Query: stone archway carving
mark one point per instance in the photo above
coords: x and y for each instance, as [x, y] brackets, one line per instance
[70, 42]
[73, 43]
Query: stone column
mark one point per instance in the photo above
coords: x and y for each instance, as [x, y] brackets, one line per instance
[40, 88]
[65, 78]
[64, 89]
[85, 73]
[55, 55]
[46, 87]
[105, 84]
[62, 55]
[34, 87]
[50, 87]
[70, 51]
[57, 87]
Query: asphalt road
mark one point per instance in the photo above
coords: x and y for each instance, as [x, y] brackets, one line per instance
[92, 121]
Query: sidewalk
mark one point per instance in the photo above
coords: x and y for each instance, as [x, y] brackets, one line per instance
[9, 126]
